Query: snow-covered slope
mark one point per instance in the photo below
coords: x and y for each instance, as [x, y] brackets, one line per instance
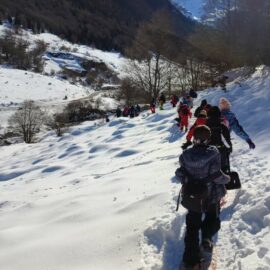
[18, 85]
[103, 196]
[113, 60]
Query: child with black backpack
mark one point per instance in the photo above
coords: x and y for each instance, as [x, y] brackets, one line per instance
[203, 187]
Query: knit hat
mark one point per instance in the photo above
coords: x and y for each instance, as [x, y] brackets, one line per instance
[203, 113]
[204, 102]
[201, 135]
[224, 104]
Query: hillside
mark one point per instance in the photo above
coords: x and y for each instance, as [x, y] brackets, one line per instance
[103, 196]
[109, 24]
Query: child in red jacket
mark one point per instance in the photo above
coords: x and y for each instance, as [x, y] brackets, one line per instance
[201, 120]
[174, 100]
[184, 114]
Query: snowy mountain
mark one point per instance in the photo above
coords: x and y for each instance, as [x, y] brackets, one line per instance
[49, 89]
[103, 196]
[110, 24]
[193, 7]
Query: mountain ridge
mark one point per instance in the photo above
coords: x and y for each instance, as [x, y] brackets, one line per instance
[107, 25]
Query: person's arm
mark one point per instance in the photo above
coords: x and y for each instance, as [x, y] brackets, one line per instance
[180, 172]
[239, 131]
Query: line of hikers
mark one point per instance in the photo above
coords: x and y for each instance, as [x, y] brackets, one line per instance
[206, 176]
[187, 100]
[132, 111]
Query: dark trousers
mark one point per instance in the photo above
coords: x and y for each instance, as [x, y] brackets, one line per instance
[225, 159]
[209, 226]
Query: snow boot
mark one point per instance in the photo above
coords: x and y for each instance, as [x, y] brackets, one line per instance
[207, 245]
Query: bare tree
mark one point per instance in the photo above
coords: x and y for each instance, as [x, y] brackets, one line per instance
[27, 121]
[155, 40]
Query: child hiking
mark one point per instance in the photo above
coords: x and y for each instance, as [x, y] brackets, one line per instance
[232, 122]
[203, 187]
[184, 113]
[219, 131]
[162, 101]
[201, 120]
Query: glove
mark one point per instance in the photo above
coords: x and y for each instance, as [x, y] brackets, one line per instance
[251, 144]
[186, 145]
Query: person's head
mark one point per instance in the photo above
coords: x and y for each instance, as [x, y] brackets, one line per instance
[224, 104]
[201, 135]
[204, 102]
[207, 107]
[214, 112]
[203, 114]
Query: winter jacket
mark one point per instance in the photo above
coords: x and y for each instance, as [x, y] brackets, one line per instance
[193, 93]
[200, 121]
[118, 112]
[184, 114]
[201, 162]
[234, 125]
[162, 99]
[174, 100]
[218, 130]
[132, 112]
[126, 112]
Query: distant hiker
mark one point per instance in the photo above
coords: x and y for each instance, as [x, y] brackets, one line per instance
[174, 100]
[202, 190]
[153, 106]
[126, 111]
[193, 93]
[184, 114]
[219, 131]
[232, 122]
[200, 108]
[107, 118]
[118, 112]
[137, 110]
[190, 102]
[132, 112]
[162, 101]
[201, 120]
[185, 100]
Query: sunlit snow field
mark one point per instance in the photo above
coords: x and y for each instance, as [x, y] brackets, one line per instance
[103, 196]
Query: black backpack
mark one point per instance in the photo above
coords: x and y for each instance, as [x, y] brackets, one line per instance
[195, 194]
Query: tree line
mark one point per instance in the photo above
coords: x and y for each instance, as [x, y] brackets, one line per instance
[105, 24]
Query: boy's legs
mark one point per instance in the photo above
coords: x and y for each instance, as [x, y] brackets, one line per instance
[192, 242]
[211, 222]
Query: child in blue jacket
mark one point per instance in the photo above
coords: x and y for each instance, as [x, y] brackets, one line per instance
[232, 122]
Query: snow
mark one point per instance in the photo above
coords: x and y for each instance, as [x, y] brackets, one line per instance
[17, 85]
[103, 196]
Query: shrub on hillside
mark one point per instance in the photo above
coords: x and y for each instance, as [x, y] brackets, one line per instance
[27, 121]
